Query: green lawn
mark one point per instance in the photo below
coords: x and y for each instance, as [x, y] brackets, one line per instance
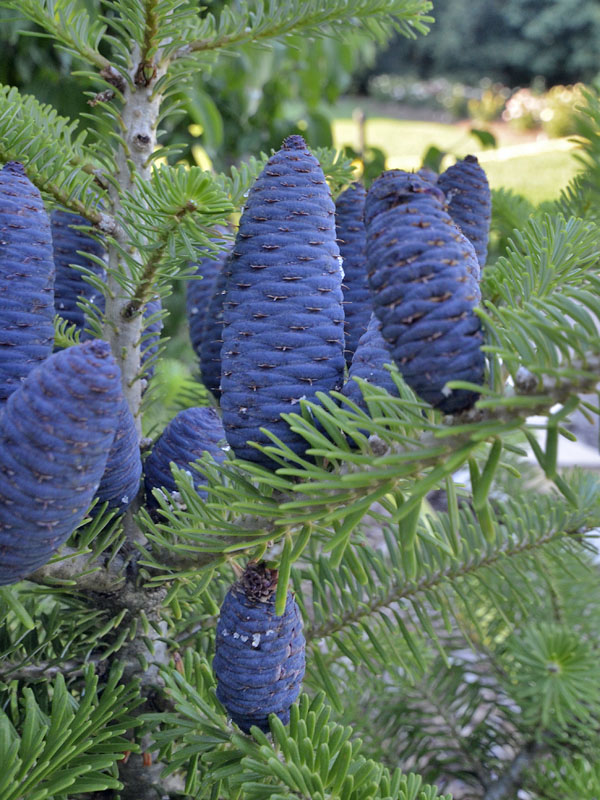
[538, 171]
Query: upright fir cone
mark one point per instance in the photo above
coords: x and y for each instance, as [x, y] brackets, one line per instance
[185, 439]
[259, 657]
[368, 363]
[198, 297]
[423, 293]
[70, 286]
[211, 341]
[55, 436]
[283, 335]
[352, 241]
[26, 279]
[467, 191]
[121, 479]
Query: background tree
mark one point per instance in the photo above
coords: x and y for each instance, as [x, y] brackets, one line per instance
[512, 42]
[459, 642]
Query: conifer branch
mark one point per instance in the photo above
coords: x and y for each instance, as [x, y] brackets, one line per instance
[402, 590]
[258, 22]
[69, 24]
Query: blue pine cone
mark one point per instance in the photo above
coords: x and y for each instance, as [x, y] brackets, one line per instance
[26, 279]
[121, 479]
[368, 363]
[198, 297]
[212, 333]
[70, 286]
[185, 439]
[423, 293]
[352, 241]
[283, 334]
[259, 657]
[55, 436]
[467, 191]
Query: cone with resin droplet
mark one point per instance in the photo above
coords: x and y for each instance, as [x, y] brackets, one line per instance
[467, 191]
[423, 291]
[26, 279]
[186, 438]
[352, 241]
[259, 657]
[283, 334]
[55, 436]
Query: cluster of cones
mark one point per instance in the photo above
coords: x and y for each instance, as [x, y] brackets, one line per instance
[310, 295]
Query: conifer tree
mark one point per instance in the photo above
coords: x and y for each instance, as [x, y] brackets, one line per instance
[449, 601]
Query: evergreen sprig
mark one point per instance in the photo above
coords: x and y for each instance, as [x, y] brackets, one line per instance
[376, 597]
[311, 758]
[167, 219]
[70, 746]
[54, 151]
[261, 20]
[68, 23]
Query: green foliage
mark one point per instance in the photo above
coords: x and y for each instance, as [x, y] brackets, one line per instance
[311, 758]
[568, 779]
[445, 641]
[515, 42]
[54, 152]
[553, 668]
[545, 318]
[70, 744]
[508, 212]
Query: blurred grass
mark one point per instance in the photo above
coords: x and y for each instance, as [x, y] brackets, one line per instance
[539, 174]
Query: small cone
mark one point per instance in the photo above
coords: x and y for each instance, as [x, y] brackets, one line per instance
[70, 287]
[121, 479]
[259, 657]
[467, 191]
[368, 363]
[352, 240]
[185, 439]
